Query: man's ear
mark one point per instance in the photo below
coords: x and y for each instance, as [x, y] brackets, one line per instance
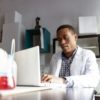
[76, 37]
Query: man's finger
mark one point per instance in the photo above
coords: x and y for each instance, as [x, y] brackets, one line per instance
[44, 76]
[47, 78]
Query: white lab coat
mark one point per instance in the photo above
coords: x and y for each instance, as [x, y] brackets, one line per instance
[84, 68]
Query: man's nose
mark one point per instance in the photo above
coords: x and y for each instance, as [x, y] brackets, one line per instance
[63, 41]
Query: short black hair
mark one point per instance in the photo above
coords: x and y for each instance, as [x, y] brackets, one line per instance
[66, 26]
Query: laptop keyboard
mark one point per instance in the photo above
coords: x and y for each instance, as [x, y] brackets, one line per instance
[53, 85]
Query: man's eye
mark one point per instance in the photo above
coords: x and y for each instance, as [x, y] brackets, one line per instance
[66, 38]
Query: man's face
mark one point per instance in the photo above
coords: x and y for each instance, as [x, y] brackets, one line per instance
[67, 40]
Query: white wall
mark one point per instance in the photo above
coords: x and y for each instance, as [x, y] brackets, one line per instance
[52, 12]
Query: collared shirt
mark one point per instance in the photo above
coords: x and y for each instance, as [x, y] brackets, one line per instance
[66, 63]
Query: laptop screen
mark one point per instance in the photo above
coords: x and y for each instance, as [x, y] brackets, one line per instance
[28, 66]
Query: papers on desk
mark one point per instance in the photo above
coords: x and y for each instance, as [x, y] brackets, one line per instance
[19, 90]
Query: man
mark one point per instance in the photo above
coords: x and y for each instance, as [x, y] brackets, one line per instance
[74, 66]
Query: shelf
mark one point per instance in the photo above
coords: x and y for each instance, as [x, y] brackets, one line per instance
[90, 47]
[33, 38]
[92, 42]
[89, 36]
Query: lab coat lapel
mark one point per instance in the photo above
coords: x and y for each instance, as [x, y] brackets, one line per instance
[76, 64]
[58, 65]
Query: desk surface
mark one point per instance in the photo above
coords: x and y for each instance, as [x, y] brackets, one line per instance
[54, 94]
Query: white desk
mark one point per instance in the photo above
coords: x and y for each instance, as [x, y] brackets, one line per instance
[55, 94]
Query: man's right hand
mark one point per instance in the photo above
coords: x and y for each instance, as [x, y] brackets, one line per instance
[52, 79]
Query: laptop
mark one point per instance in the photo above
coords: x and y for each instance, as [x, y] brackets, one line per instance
[28, 66]
[28, 69]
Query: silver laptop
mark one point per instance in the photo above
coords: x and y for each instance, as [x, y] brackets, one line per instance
[28, 70]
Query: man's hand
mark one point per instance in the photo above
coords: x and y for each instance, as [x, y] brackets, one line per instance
[52, 79]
